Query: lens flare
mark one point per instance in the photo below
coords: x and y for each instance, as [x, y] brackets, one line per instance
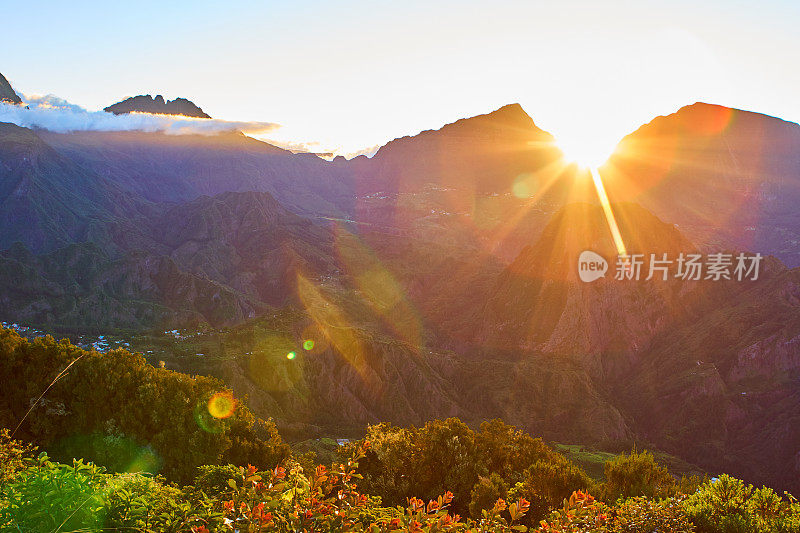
[291, 355]
[609, 213]
[221, 405]
[205, 421]
[379, 288]
[332, 323]
[308, 345]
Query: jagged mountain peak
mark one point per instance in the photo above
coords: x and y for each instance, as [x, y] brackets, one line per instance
[148, 104]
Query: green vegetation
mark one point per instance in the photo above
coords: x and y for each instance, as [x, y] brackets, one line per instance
[138, 448]
[39, 495]
[119, 411]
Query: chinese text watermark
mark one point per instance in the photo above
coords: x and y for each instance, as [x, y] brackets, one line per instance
[688, 267]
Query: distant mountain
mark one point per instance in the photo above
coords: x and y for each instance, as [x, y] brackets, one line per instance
[7, 93]
[483, 154]
[47, 200]
[148, 104]
[443, 271]
[726, 177]
[181, 168]
[538, 302]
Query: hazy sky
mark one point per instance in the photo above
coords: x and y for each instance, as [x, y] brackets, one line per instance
[351, 75]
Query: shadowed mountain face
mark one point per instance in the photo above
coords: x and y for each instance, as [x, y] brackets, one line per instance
[726, 177]
[180, 168]
[80, 286]
[247, 241]
[7, 93]
[157, 105]
[539, 303]
[47, 200]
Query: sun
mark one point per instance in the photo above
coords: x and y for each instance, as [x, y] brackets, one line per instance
[585, 149]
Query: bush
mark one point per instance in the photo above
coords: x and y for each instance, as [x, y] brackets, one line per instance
[14, 456]
[547, 483]
[446, 455]
[54, 497]
[485, 493]
[643, 515]
[636, 474]
[729, 505]
[214, 479]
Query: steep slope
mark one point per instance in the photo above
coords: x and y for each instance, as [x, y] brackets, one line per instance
[722, 386]
[180, 168]
[157, 105]
[246, 241]
[7, 93]
[705, 369]
[726, 177]
[47, 200]
[80, 286]
[539, 303]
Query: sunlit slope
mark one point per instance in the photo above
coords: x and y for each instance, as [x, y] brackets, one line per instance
[726, 177]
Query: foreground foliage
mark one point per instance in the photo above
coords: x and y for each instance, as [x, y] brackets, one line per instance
[39, 495]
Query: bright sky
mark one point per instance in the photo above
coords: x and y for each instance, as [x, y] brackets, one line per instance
[354, 74]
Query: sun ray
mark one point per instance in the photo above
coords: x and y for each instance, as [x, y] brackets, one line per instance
[619, 244]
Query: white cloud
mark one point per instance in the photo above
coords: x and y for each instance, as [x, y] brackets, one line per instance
[56, 114]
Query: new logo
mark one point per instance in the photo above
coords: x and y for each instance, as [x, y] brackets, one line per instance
[591, 266]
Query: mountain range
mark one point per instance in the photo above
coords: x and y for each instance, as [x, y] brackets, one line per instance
[438, 277]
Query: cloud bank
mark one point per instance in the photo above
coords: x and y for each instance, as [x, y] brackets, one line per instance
[56, 114]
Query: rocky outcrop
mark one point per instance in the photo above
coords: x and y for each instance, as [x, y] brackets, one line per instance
[7, 93]
[157, 106]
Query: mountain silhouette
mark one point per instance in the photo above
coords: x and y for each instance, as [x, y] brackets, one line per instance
[147, 104]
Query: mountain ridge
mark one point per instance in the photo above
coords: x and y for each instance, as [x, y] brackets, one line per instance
[144, 103]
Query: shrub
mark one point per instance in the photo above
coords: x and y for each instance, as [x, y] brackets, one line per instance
[643, 515]
[329, 501]
[485, 493]
[14, 456]
[214, 479]
[729, 505]
[53, 497]
[636, 474]
[446, 455]
[547, 483]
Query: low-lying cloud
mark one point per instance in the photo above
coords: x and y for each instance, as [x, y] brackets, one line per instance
[56, 114]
